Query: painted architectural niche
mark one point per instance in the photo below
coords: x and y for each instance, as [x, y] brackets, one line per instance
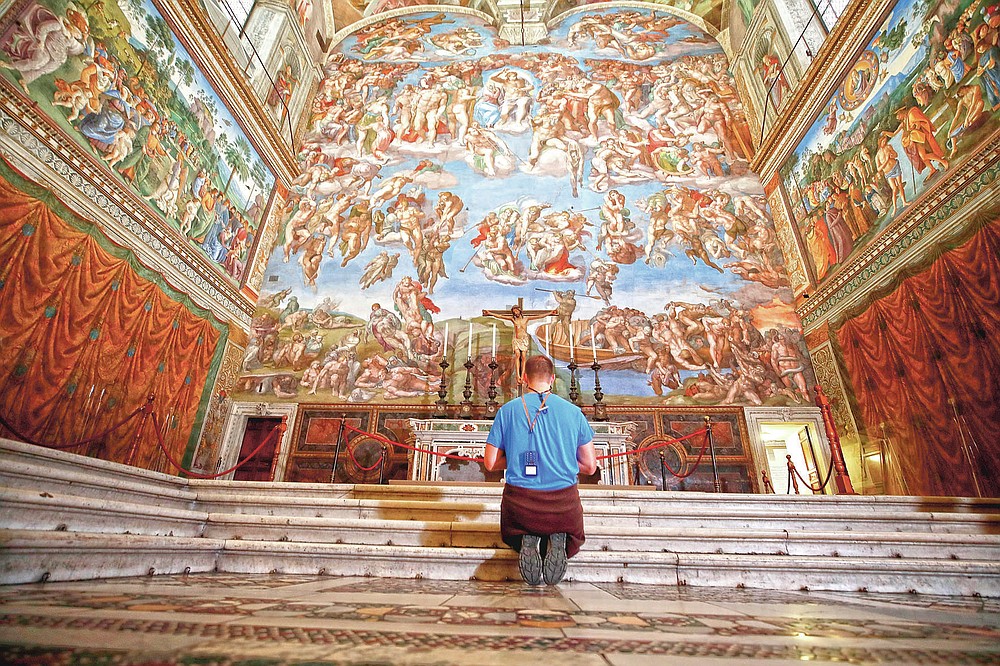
[116, 79]
[923, 95]
[601, 180]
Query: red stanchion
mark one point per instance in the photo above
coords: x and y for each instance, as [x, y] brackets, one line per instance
[281, 427]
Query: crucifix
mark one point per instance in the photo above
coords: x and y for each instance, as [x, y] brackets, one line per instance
[519, 317]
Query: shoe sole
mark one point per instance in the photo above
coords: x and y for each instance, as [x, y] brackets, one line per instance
[530, 560]
[555, 564]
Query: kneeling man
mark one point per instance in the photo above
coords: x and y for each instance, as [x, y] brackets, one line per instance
[543, 441]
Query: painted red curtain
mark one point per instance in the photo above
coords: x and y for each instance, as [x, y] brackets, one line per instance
[925, 360]
[87, 333]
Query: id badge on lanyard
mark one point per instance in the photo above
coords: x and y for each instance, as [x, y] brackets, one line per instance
[530, 464]
[530, 457]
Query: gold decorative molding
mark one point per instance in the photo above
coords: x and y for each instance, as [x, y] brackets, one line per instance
[850, 36]
[944, 210]
[60, 154]
[828, 376]
[202, 41]
[265, 245]
[794, 263]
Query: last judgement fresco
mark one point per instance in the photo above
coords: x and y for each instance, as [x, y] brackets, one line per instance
[598, 181]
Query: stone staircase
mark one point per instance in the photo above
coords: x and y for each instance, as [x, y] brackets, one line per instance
[66, 517]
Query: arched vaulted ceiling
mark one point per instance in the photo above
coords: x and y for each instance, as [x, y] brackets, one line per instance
[347, 13]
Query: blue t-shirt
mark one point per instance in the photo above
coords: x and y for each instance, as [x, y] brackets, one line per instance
[559, 430]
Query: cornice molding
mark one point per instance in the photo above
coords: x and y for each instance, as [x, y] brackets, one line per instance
[64, 164]
[824, 74]
[199, 36]
[940, 214]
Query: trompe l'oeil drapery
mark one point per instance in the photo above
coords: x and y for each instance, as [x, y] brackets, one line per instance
[87, 333]
[925, 361]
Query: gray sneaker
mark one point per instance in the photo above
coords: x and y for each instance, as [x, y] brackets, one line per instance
[530, 560]
[554, 567]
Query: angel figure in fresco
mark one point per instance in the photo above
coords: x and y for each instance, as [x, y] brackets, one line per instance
[601, 277]
[415, 308]
[379, 269]
[485, 148]
[387, 329]
[42, 42]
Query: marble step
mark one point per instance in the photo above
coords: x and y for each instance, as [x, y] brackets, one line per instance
[40, 509]
[30, 467]
[678, 500]
[736, 514]
[788, 572]
[28, 556]
[444, 534]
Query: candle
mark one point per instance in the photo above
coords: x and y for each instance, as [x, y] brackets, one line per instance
[470, 339]
[445, 352]
[494, 340]
[593, 342]
[548, 325]
[572, 357]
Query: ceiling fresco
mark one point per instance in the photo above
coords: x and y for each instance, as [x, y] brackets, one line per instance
[599, 180]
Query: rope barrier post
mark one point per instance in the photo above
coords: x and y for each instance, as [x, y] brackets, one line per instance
[792, 473]
[381, 467]
[283, 426]
[842, 480]
[768, 486]
[663, 473]
[336, 452]
[147, 409]
[716, 482]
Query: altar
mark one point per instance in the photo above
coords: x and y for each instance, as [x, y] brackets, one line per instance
[467, 438]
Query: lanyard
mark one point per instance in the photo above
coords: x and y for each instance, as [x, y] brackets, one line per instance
[541, 408]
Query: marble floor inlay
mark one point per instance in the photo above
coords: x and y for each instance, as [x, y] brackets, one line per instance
[243, 620]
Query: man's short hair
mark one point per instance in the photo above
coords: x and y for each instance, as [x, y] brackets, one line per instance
[538, 367]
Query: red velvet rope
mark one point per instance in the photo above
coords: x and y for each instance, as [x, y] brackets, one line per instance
[652, 447]
[61, 447]
[829, 475]
[658, 445]
[195, 475]
[704, 445]
[385, 440]
[378, 462]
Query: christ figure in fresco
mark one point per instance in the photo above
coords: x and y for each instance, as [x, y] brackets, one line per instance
[521, 342]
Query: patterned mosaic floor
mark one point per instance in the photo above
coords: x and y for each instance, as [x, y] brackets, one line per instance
[236, 620]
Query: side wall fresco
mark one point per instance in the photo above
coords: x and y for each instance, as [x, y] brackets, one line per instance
[116, 79]
[922, 95]
[602, 181]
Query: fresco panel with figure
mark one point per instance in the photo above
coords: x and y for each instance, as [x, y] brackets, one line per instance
[116, 78]
[602, 176]
[924, 94]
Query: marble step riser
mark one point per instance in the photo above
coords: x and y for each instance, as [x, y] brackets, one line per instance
[83, 515]
[677, 501]
[29, 562]
[86, 515]
[610, 516]
[34, 565]
[847, 578]
[20, 463]
[87, 489]
[456, 537]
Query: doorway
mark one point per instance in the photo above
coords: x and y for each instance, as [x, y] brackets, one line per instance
[799, 441]
[259, 467]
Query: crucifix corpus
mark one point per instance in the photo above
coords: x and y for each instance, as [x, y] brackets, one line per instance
[519, 317]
